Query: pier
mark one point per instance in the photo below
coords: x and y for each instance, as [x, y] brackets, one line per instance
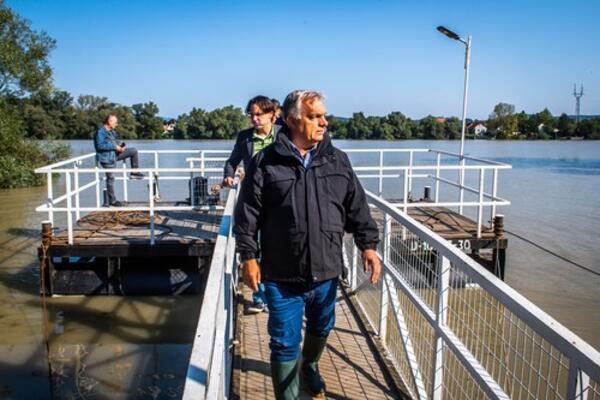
[439, 324]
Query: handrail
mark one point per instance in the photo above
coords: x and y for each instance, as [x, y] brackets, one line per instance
[463, 305]
[571, 344]
[210, 161]
[207, 373]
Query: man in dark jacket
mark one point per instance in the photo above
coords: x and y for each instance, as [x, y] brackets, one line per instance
[262, 113]
[109, 150]
[301, 194]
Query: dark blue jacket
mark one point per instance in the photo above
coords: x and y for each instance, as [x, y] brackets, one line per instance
[301, 214]
[105, 143]
[242, 150]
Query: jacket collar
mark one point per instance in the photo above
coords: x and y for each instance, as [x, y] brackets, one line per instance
[283, 146]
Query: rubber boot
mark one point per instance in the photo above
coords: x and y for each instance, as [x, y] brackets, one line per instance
[311, 352]
[286, 384]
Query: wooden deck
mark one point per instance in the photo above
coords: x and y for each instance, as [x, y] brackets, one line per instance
[127, 233]
[449, 224]
[349, 366]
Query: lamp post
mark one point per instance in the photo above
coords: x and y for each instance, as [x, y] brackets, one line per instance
[467, 44]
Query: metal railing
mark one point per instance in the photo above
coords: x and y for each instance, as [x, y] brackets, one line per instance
[209, 369]
[455, 331]
[429, 166]
[383, 165]
[73, 173]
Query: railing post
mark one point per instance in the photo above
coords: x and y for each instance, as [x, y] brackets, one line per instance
[97, 175]
[202, 163]
[410, 165]
[125, 194]
[461, 181]
[405, 199]
[480, 206]
[76, 177]
[69, 209]
[387, 234]
[443, 285]
[354, 266]
[494, 192]
[437, 176]
[383, 308]
[151, 201]
[192, 184]
[577, 383]
[50, 200]
[380, 172]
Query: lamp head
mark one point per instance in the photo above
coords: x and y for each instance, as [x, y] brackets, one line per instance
[448, 32]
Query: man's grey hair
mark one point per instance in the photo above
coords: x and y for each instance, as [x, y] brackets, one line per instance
[292, 105]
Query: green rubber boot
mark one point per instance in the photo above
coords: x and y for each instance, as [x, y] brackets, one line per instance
[311, 352]
[286, 384]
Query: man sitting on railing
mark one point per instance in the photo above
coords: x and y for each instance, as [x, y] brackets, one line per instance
[109, 150]
[301, 194]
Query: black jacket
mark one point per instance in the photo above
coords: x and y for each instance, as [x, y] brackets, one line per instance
[301, 214]
[242, 150]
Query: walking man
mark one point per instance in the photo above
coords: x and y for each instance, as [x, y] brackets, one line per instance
[109, 150]
[262, 112]
[301, 194]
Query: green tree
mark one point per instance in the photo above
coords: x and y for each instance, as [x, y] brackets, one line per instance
[545, 124]
[24, 69]
[566, 126]
[402, 126]
[453, 128]
[24, 66]
[431, 128]
[149, 124]
[337, 127]
[358, 126]
[503, 121]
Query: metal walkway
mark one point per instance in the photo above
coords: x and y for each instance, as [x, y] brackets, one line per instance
[348, 365]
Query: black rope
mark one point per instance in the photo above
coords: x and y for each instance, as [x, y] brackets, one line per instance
[583, 267]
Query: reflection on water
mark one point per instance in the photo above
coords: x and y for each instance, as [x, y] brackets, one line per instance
[98, 347]
[115, 347]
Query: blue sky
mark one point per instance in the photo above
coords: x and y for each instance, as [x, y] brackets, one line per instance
[371, 56]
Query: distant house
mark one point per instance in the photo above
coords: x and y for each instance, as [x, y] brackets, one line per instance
[440, 120]
[477, 128]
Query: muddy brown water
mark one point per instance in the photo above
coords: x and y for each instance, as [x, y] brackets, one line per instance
[116, 347]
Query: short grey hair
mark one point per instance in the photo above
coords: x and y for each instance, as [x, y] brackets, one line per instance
[292, 105]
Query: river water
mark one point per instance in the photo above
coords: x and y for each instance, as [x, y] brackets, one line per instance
[136, 347]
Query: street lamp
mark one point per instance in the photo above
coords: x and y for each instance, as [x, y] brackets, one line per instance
[467, 44]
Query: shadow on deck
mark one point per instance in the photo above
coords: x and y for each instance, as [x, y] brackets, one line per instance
[349, 365]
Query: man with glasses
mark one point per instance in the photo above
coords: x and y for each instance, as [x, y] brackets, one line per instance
[262, 112]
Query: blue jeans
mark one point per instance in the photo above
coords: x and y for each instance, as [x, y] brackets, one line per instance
[259, 296]
[130, 153]
[288, 302]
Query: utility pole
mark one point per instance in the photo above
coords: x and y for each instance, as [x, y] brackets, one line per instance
[577, 101]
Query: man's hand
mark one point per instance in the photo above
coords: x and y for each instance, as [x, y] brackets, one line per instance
[371, 262]
[228, 181]
[119, 149]
[251, 273]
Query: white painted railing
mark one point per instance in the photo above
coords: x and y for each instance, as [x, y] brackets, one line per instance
[383, 165]
[73, 173]
[428, 166]
[455, 331]
[210, 366]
